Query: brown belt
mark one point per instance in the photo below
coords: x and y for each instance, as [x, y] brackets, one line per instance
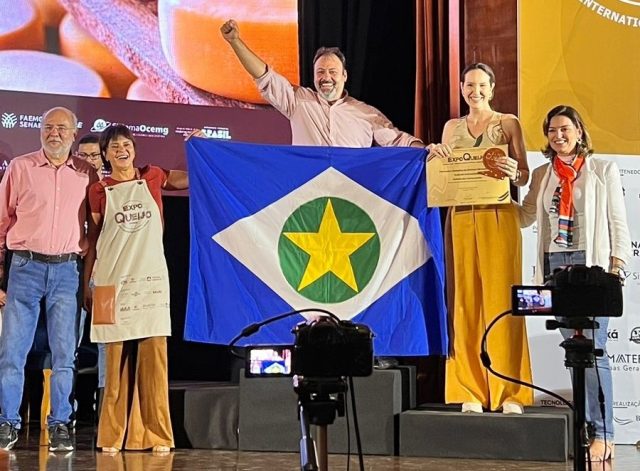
[40, 257]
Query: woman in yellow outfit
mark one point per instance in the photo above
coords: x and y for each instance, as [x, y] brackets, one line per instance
[485, 259]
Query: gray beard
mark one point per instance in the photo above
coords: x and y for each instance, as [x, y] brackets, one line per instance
[330, 96]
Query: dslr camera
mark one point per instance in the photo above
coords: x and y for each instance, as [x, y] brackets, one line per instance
[324, 348]
[573, 291]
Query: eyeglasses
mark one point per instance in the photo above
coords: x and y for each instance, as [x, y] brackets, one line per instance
[48, 128]
[92, 156]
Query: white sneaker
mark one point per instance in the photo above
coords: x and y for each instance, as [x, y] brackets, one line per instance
[474, 407]
[512, 408]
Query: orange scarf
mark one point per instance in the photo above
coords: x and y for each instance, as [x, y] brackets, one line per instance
[562, 200]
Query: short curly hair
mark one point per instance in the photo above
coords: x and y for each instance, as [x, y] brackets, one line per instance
[325, 51]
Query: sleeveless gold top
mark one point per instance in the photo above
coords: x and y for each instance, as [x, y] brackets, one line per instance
[492, 135]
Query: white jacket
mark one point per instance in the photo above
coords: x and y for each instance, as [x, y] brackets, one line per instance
[605, 218]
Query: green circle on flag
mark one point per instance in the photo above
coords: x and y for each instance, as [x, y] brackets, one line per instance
[328, 250]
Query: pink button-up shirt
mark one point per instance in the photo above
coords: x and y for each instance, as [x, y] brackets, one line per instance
[43, 208]
[315, 122]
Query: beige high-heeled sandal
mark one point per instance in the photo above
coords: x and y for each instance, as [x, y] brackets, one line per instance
[161, 449]
[601, 450]
[511, 407]
[473, 407]
[110, 450]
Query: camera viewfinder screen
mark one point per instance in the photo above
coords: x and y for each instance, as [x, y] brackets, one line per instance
[532, 300]
[268, 361]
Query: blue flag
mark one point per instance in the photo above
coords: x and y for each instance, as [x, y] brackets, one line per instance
[282, 228]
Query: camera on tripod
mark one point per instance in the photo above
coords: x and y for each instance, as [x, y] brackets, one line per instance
[324, 348]
[571, 292]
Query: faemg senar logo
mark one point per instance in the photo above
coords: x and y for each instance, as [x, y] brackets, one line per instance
[9, 120]
[635, 335]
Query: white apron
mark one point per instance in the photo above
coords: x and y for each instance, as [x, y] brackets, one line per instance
[131, 295]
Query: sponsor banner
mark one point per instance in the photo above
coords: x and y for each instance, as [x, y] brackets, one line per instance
[581, 53]
[572, 52]
[623, 345]
[159, 128]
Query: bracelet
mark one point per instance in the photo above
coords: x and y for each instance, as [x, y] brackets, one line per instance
[619, 270]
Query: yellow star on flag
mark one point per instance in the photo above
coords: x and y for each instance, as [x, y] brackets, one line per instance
[329, 249]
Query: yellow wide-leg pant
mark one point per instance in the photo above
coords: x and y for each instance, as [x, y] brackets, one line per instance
[487, 260]
[135, 408]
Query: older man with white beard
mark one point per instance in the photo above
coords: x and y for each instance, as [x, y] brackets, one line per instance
[327, 116]
[42, 220]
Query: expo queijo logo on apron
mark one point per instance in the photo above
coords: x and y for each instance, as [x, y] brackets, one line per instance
[328, 250]
[133, 216]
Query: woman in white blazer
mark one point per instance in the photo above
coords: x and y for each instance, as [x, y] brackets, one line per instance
[577, 202]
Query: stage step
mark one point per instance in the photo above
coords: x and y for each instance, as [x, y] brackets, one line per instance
[540, 434]
[204, 414]
[269, 420]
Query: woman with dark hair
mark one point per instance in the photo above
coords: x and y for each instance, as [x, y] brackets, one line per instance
[131, 295]
[577, 201]
[483, 260]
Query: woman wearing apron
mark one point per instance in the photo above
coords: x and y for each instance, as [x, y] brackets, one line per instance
[131, 296]
[484, 261]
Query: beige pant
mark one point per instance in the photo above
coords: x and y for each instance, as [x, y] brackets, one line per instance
[135, 408]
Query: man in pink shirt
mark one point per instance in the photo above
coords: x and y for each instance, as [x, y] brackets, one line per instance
[42, 220]
[327, 116]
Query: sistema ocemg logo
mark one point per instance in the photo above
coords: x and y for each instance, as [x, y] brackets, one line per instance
[9, 120]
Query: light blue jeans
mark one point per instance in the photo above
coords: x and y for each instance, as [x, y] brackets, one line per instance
[102, 364]
[102, 351]
[562, 259]
[29, 282]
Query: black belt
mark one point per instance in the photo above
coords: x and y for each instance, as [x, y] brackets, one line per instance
[40, 257]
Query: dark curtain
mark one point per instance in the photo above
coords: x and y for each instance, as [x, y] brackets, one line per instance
[187, 360]
[378, 40]
[397, 61]
[432, 108]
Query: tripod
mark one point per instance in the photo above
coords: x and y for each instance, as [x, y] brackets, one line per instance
[579, 354]
[317, 407]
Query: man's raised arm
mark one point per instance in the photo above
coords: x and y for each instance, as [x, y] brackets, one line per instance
[249, 60]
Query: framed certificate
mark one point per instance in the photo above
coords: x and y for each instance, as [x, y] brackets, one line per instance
[467, 176]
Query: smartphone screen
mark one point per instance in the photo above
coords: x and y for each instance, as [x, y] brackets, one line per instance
[531, 300]
[267, 361]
